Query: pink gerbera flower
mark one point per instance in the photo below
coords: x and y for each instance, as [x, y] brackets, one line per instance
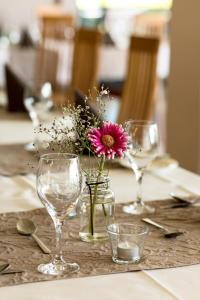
[109, 140]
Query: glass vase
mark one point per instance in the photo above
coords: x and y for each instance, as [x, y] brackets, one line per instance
[96, 209]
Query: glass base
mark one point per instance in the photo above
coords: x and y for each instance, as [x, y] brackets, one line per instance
[58, 269]
[88, 237]
[125, 262]
[138, 209]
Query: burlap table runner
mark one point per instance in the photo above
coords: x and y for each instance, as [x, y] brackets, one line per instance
[15, 160]
[95, 258]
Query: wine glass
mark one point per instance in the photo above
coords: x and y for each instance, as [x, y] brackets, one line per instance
[38, 102]
[59, 184]
[142, 149]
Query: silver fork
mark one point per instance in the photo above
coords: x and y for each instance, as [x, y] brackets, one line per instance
[167, 232]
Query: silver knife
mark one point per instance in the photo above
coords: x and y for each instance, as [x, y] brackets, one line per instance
[3, 267]
[7, 272]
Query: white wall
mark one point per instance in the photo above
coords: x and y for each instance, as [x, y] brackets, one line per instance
[15, 14]
[184, 85]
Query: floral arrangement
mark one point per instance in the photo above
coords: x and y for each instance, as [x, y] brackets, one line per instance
[81, 129]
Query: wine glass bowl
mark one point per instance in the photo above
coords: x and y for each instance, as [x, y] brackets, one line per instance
[38, 103]
[57, 193]
[142, 149]
[58, 187]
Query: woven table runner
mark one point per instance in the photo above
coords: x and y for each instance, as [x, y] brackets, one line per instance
[15, 160]
[22, 253]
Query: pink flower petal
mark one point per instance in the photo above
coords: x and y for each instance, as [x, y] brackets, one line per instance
[118, 134]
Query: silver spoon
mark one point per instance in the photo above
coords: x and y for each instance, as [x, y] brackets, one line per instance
[167, 233]
[27, 227]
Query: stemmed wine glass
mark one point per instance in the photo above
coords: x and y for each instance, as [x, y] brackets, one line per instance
[38, 102]
[59, 184]
[142, 149]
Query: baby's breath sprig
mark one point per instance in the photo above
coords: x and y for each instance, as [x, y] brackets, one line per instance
[69, 133]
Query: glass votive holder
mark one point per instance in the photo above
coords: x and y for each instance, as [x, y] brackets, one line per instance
[127, 242]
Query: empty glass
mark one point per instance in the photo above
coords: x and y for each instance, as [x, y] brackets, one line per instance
[38, 107]
[142, 149]
[127, 242]
[58, 187]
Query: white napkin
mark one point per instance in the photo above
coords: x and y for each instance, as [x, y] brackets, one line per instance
[18, 193]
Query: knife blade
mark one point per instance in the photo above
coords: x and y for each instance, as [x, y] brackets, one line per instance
[3, 267]
[7, 272]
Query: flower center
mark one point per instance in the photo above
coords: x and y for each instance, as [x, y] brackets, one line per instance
[108, 140]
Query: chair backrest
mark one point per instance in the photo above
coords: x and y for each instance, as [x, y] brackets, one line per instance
[46, 66]
[138, 90]
[154, 25]
[85, 59]
[15, 90]
[57, 27]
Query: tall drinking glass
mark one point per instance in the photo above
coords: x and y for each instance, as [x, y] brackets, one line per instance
[58, 187]
[142, 149]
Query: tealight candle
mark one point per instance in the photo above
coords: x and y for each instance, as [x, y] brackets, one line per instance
[128, 251]
[127, 242]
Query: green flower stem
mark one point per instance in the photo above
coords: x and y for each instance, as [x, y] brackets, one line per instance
[104, 210]
[92, 215]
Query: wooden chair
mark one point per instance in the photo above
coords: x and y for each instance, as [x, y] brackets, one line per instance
[138, 91]
[15, 89]
[154, 25]
[57, 31]
[85, 59]
[46, 66]
[57, 27]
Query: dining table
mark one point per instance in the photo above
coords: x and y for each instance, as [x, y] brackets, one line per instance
[18, 193]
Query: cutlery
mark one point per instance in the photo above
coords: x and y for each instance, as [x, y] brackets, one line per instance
[167, 233]
[27, 227]
[177, 205]
[3, 267]
[7, 272]
[182, 199]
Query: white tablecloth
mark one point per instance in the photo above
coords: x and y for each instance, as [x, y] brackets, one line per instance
[18, 193]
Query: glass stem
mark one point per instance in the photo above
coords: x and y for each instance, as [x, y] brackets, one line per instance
[139, 178]
[58, 228]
